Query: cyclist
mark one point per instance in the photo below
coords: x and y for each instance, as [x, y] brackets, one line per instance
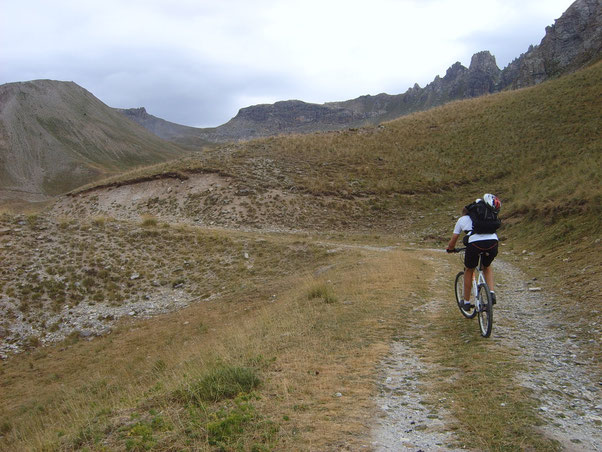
[477, 244]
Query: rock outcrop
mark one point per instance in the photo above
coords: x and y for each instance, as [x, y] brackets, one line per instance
[574, 41]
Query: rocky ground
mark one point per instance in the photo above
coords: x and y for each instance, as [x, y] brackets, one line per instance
[62, 278]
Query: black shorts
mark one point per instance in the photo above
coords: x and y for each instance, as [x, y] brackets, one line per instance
[487, 247]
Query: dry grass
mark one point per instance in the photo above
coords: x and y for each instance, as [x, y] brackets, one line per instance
[303, 348]
[116, 388]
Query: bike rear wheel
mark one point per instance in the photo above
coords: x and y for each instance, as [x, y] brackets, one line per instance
[485, 310]
[459, 289]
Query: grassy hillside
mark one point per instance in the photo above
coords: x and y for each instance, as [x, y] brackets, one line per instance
[538, 147]
[55, 136]
[282, 358]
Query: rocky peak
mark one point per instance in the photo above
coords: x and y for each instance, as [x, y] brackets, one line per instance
[484, 62]
[574, 38]
[454, 71]
[135, 112]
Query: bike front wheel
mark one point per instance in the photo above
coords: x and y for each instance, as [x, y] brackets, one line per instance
[485, 310]
[459, 286]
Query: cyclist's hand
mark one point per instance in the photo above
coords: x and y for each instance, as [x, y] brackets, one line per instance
[447, 250]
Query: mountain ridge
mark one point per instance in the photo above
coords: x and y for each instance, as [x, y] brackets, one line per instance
[574, 40]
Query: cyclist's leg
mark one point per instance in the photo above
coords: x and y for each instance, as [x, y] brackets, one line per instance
[471, 260]
[468, 272]
[488, 274]
[487, 259]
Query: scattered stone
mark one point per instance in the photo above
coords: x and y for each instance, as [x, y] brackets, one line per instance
[534, 289]
[134, 276]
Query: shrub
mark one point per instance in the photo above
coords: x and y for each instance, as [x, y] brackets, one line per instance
[148, 221]
[322, 291]
[224, 382]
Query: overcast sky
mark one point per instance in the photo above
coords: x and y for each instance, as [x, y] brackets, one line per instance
[197, 62]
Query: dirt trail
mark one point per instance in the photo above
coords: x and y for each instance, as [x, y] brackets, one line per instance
[565, 384]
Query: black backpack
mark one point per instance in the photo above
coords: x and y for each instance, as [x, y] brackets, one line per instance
[484, 218]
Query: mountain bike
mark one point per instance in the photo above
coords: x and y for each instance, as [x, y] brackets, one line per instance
[481, 295]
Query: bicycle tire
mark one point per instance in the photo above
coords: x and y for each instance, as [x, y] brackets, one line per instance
[485, 311]
[459, 290]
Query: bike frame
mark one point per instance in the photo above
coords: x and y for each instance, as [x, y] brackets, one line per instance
[478, 278]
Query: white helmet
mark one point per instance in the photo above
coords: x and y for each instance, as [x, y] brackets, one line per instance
[492, 201]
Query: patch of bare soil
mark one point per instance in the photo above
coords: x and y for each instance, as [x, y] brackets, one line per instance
[212, 199]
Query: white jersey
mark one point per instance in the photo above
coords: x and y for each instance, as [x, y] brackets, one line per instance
[464, 223]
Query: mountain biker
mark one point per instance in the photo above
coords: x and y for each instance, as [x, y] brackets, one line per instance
[485, 244]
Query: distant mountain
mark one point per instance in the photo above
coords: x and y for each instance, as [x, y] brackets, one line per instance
[574, 41]
[170, 130]
[55, 136]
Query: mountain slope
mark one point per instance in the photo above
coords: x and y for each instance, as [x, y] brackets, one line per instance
[55, 136]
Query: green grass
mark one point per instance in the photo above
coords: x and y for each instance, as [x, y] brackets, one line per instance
[223, 382]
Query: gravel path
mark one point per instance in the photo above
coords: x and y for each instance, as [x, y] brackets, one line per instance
[405, 423]
[565, 384]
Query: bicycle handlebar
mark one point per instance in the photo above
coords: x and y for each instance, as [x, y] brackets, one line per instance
[456, 250]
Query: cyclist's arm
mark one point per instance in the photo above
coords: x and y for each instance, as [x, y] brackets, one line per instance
[452, 243]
